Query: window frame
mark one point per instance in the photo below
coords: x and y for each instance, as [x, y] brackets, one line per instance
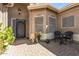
[71, 26]
[55, 21]
[34, 21]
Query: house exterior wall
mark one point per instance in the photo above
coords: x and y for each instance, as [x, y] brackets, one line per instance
[7, 14]
[51, 14]
[13, 13]
[33, 14]
[72, 12]
[40, 12]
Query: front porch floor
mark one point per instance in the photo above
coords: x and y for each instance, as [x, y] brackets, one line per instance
[23, 47]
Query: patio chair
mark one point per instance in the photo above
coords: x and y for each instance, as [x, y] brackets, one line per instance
[57, 35]
[69, 36]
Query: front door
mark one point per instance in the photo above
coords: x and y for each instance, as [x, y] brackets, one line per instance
[20, 28]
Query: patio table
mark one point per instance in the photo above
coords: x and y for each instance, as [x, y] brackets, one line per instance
[62, 36]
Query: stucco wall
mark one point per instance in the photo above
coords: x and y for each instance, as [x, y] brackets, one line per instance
[14, 13]
[33, 14]
[38, 12]
[52, 14]
[72, 12]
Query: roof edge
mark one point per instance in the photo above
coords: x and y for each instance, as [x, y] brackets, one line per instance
[69, 6]
[38, 6]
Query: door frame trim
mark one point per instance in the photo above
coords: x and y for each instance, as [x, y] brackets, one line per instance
[12, 19]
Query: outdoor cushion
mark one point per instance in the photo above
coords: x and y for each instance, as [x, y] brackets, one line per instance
[46, 36]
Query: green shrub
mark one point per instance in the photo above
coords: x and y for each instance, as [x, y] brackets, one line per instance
[6, 37]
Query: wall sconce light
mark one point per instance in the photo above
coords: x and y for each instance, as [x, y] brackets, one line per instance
[19, 10]
[46, 27]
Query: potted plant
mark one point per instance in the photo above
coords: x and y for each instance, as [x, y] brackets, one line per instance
[6, 38]
[38, 35]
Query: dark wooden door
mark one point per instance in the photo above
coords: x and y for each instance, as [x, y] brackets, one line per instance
[20, 28]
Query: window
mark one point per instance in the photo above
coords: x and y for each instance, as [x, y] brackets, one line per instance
[39, 24]
[52, 24]
[68, 21]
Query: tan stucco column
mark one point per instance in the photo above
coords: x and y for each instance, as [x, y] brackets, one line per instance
[5, 16]
[0, 13]
[45, 21]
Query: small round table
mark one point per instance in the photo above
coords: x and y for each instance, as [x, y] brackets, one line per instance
[62, 36]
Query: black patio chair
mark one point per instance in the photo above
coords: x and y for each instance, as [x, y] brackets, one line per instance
[57, 35]
[68, 36]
